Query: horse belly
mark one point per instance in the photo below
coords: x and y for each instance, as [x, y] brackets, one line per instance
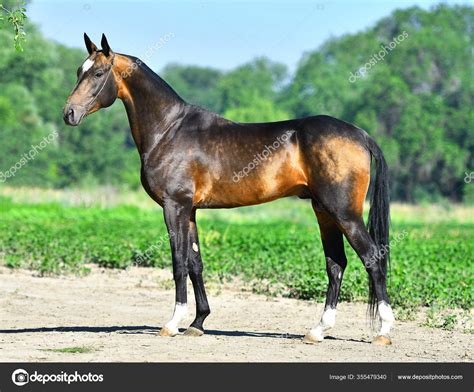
[280, 175]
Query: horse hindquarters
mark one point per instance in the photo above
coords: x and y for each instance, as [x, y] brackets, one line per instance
[339, 175]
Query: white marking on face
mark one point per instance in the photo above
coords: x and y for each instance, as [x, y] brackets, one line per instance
[339, 275]
[195, 247]
[87, 65]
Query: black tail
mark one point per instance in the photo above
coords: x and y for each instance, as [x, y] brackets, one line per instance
[379, 218]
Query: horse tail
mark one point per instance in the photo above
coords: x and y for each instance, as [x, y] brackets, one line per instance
[379, 219]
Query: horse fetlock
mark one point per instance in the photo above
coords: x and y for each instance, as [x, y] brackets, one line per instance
[171, 327]
[386, 317]
[385, 312]
[328, 319]
[204, 313]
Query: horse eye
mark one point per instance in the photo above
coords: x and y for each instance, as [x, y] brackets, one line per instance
[98, 74]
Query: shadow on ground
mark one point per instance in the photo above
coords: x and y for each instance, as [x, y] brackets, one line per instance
[147, 329]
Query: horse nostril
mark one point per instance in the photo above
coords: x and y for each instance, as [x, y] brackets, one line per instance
[69, 115]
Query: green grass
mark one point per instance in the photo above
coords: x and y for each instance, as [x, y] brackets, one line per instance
[277, 242]
[71, 350]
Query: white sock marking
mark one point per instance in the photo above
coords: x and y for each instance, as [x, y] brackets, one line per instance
[180, 311]
[328, 320]
[386, 317]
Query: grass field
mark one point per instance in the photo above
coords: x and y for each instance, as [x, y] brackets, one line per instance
[276, 246]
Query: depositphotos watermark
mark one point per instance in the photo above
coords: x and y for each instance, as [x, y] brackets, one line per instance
[29, 156]
[263, 156]
[380, 56]
[21, 377]
[469, 177]
[147, 255]
[384, 250]
[146, 55]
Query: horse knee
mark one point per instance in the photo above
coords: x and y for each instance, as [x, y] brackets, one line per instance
[180, 274]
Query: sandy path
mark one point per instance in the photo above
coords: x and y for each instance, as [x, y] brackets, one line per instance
[118, 314]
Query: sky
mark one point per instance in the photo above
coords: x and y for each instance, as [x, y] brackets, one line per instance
[218, 34]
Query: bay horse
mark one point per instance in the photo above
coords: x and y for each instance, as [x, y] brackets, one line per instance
[192, 158]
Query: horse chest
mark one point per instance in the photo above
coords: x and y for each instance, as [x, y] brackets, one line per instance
[153, 185]
[166, 182]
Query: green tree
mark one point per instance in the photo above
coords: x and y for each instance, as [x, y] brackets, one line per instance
[258, 110]
[197, 85]
[417, 102]
[261, 77]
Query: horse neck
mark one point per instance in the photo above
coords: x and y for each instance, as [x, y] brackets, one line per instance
[152, 105]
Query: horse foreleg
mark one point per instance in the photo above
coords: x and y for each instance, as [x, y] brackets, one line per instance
[177, 218]
[195, 273]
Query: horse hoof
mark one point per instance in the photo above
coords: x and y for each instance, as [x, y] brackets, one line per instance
[165, 331]
[309, 338]
[381, 340]
[191, 331]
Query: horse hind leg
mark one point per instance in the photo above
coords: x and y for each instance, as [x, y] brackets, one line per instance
[360, 240]
[344, 205]
[350, 222]
[336, 261]
[340, 188]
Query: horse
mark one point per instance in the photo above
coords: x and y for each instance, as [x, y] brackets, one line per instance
[192, 159]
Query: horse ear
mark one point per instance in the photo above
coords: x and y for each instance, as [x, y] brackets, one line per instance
[91, 48]
[105, 45]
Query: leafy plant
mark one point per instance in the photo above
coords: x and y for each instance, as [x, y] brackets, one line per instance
[276, 248]
[16, 17]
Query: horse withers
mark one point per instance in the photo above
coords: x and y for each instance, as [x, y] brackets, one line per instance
[192, 158]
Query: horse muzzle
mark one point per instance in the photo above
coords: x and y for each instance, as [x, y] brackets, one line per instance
[73, 114]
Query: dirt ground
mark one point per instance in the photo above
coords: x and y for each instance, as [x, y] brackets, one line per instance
[116, 316]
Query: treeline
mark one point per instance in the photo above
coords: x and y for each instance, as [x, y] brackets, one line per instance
[408, 81]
